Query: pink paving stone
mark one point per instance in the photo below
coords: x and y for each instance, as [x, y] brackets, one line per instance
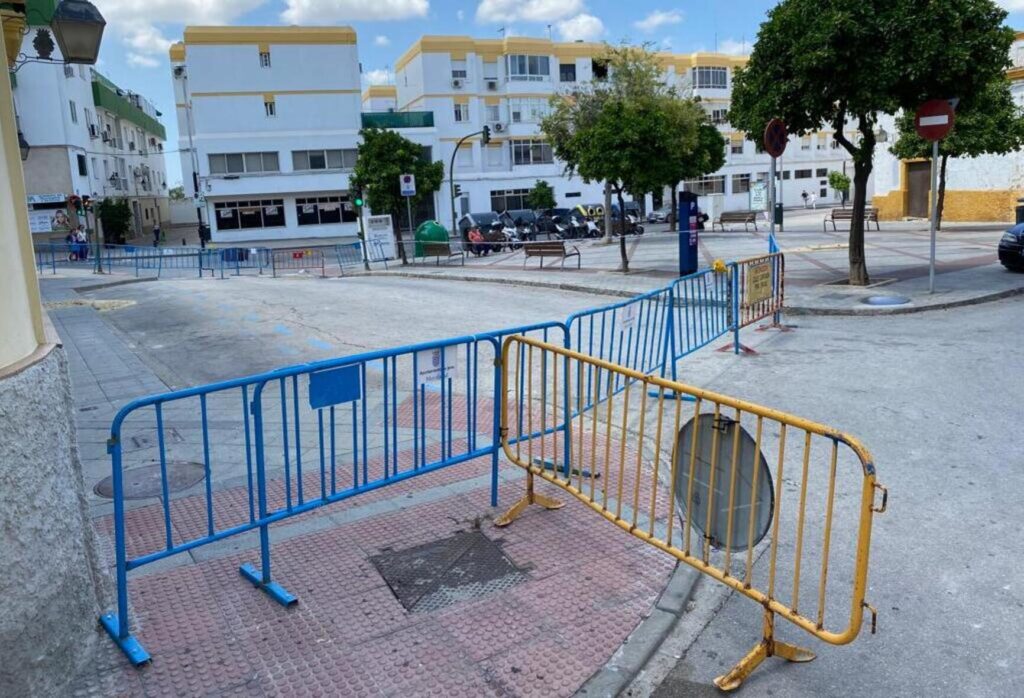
[211, 632]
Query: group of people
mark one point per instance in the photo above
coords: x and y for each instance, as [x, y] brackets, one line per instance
[78, 243]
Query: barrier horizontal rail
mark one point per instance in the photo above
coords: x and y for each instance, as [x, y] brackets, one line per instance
[298, 259]
[702, 491]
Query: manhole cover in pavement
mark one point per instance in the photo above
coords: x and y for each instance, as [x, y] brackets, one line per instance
[886, 300]
[438, 574]
[144, 482]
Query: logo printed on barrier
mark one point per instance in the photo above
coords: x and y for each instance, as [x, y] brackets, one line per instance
[430, 368]
[627, 316]
[759, 283]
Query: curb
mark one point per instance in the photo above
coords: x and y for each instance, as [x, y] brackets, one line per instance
[898, 310]
[632, 656]
[111, 284]
[575, 288]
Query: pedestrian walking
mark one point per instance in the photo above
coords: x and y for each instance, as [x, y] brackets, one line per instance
[804, 196]
[156, 234]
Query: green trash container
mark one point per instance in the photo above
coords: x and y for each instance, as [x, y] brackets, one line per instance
[429, 231]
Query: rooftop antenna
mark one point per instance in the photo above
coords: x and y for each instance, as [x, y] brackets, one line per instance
[502, 31]
[549, 32]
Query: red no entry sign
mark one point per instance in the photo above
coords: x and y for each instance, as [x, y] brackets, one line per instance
[775, 138]
[934, 119]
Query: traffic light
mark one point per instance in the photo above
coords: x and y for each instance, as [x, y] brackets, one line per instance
[457, 191]
[485, 135]
[75, 204]
[87, 203]
[357, 197]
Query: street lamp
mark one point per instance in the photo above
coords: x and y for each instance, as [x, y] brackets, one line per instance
[23, 146]
[78, 28]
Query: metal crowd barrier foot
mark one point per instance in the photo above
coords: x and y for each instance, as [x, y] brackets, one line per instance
[737, 349]
[272, 589]
[768, 647]
[529, 498]
[128, 644]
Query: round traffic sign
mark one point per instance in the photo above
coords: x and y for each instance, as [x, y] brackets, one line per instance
[934, 119]
[775, 138]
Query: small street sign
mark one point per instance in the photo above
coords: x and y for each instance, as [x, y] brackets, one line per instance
[775, 138]
[934, 119]
[407, 182]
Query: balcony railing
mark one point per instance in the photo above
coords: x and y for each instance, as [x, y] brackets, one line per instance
[398, 119]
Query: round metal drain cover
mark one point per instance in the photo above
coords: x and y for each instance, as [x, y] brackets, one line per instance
[886, 300]
[144, 482]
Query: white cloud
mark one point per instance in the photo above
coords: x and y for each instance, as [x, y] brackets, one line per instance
[381, 40]
[658, 18]
[139, 61]
[460, 15]
[528, 10]
[582, 27]
[135, 21]
[381, 76]
[731, 46]
[330, 11]
[1011, 5]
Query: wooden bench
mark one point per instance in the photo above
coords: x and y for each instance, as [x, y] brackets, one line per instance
[550, 248]
[846, 214]
[437, 250]
[744, 217]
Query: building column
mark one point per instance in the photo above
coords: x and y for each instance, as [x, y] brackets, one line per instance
[50, 589]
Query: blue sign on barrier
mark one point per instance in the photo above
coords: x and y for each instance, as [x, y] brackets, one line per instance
[334, 386]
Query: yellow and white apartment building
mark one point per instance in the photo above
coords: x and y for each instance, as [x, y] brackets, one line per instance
[985, 188]
[467, 83]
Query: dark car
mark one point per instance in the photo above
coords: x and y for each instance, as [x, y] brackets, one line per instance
[1011, 248]
[660, 215]
[483, 221]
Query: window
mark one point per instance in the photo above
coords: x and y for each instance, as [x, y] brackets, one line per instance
[530, 152]
[74, 112]
[740, 183]
[719, 116]
[509, 199]
[459, 70]
[786, 174]
[494, 154]
[823, 139]
[567, 72]
[534, 68]
[714, 184]
[805, 142]
[426, 153]
[82, 169]
[323, 159]
[264, 59]
[599, 69]
[464, 157]
[527, 110]
[710, 77]
[821, 172]
[802, 174]
[270, 108]
[490, 70]
[736, 145]
[95, 169]
[324, 210]
[243, 215]
[239, 163]
[834, 144]
[492, 112]
[461, 112]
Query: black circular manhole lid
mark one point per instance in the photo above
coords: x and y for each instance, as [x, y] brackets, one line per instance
[886, 300]
[144, 482]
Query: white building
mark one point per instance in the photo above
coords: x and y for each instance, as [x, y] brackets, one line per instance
[985, 188]
[87, 137]
[268, 120]
[506, 84]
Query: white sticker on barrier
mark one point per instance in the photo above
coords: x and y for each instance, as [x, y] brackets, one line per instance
[429, 368]
[627, 316]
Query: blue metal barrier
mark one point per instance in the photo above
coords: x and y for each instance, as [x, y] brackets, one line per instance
[702, 311]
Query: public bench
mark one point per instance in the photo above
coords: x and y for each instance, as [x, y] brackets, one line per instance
[846, 214]
[744, 217]
[437, 250]
[550, 248]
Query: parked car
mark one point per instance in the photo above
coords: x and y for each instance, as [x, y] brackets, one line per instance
[483, 221]
[1011, 248]
[660, 215]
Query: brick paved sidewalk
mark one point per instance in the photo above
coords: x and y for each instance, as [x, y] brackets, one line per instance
[586, 586]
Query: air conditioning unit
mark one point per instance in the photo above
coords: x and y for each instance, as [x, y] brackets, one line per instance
[498, 128]
[457, 83]
[131, 145]
[492, 85]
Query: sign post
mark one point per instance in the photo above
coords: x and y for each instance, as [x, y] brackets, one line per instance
[933, 121]
[407, 183]
[776, 137]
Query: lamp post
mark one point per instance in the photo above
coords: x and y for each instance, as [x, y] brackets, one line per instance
[78, 27]
[485, 138]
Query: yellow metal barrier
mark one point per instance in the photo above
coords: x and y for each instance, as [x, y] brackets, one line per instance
[632, 459]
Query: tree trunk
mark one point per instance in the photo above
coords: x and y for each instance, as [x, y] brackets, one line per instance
[672, 208]
[622, 232]
[398, 237]
[607, 239]
[858, 265]
[942, 191]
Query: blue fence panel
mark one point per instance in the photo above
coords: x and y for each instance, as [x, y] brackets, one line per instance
[702, 311]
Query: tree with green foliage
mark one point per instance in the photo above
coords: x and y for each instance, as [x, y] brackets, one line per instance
[840, 181]
[698, 148]
[383, 156]
[116, 217]
[542, 196]
[620, 130]
[843, 63]
[176, 193]
[990, 125]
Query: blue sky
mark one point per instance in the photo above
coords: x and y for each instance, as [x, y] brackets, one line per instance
[134, 52]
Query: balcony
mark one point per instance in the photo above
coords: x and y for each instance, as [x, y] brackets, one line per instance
[398, 119]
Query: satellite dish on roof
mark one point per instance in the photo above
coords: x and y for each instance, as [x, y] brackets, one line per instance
[745, 492]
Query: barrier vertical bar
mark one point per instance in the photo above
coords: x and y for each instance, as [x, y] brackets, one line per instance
[735, 289]
[500, 379]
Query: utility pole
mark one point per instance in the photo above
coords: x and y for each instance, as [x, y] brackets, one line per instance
[485, 138]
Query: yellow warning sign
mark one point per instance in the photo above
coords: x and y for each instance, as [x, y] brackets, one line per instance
[759, 282]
